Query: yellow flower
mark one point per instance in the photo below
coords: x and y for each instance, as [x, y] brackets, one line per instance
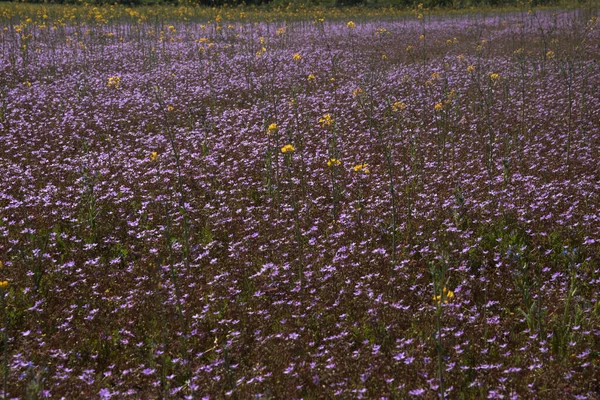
[356, 92]
[398, 106]
[384, 57]
[351, 25]
[409, 48]
[470, 68]
[438, 106]
[272, 128]
[494, 76]
[326, 120]
[550, 54]
[422, 37]
[170, 108]
[3, 285]
[153, 156]
[288, 148]
[333, 162]
[297, 57]
[361, 168]
[446, 296]
[114, 81]
[311, 77]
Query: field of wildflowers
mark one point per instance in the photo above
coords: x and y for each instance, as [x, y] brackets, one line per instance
[201, 203]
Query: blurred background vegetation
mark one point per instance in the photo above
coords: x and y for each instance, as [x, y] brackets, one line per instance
[451, 4]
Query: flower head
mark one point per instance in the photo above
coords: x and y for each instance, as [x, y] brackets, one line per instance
[153, 156]
[114, 82]
[3, 285]
[326, 120]
[351, 25]
[398, 106]
[297, 57]
[288, 148]
[364, 168]
[272, 128]
[333, 162]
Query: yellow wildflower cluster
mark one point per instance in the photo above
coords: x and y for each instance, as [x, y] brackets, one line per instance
[550, 54]
[398, 106]
[333, 162]
[311, 77]
[114, 82]
[153, 156]
[494, 76]
[361, 168]
[297, 57]
[351, 25]
[326, 120]
[438, 106]
[357, 92]
[471, 68]
[272, 128]
[288, 148]
[262, 51]
[3, 285]
[447, 295]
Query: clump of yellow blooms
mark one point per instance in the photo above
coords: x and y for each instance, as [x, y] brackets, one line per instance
[170, 108]
[398, 106]
[311, 77]
[494, 76]
[261, 51]
[326, 120]
[3, 285]
[333, 162]
[297, 57]
[446, 296]
[114, 82]
[288, 148]
[357, 92]
[471, 68]
[351, 25]
[272, 128]
[153, 156]
[550, 54]
[361, 168]
[438, 106]
[409, 48]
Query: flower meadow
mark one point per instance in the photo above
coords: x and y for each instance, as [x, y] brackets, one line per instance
[216, 205]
